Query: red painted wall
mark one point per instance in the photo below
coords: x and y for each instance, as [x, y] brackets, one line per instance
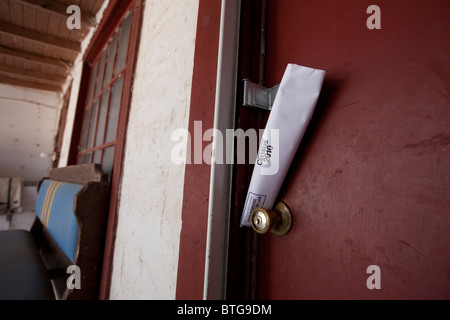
[196, 186]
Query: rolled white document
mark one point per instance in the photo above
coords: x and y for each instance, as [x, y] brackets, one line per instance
[292, 110]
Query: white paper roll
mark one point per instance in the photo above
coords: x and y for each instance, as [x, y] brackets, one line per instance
[292, 110]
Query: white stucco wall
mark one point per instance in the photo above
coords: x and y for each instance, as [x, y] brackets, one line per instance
[71, 109]
[149, 210]
[75, 79]
[28, 125]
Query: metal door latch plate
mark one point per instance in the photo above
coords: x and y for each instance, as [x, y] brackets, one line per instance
[257, 96]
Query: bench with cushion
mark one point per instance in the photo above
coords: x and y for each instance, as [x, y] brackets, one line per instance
[71, 210]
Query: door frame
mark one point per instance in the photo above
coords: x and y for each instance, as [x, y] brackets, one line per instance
[220, 192]
[244, 242]
[232, 251]
[230, 272]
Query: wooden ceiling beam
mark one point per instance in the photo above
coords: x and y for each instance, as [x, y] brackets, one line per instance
[87, 19]
[32, 35]
[65, 66]
[33, 74]
[30, 84]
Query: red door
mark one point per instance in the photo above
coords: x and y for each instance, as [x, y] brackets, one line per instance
[370, 184]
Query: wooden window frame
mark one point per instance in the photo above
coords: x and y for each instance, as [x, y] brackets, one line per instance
[112, 17]
[100, 121]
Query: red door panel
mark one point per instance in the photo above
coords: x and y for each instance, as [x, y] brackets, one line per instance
[370, 184]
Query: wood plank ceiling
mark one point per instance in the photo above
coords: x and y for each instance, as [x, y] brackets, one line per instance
[37, 50]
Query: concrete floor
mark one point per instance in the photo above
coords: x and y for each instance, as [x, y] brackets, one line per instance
[25, 219]
[22, 220]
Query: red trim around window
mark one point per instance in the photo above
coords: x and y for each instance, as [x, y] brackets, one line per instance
[112, 18]
[133, 47]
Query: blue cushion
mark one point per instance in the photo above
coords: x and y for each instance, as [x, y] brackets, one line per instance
[54, 207]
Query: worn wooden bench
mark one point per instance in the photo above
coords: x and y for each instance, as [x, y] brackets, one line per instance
[69, 230]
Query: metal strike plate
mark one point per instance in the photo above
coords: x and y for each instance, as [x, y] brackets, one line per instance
[278, 220]
[257, 96]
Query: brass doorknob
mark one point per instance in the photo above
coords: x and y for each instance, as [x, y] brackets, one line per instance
[278, 220]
